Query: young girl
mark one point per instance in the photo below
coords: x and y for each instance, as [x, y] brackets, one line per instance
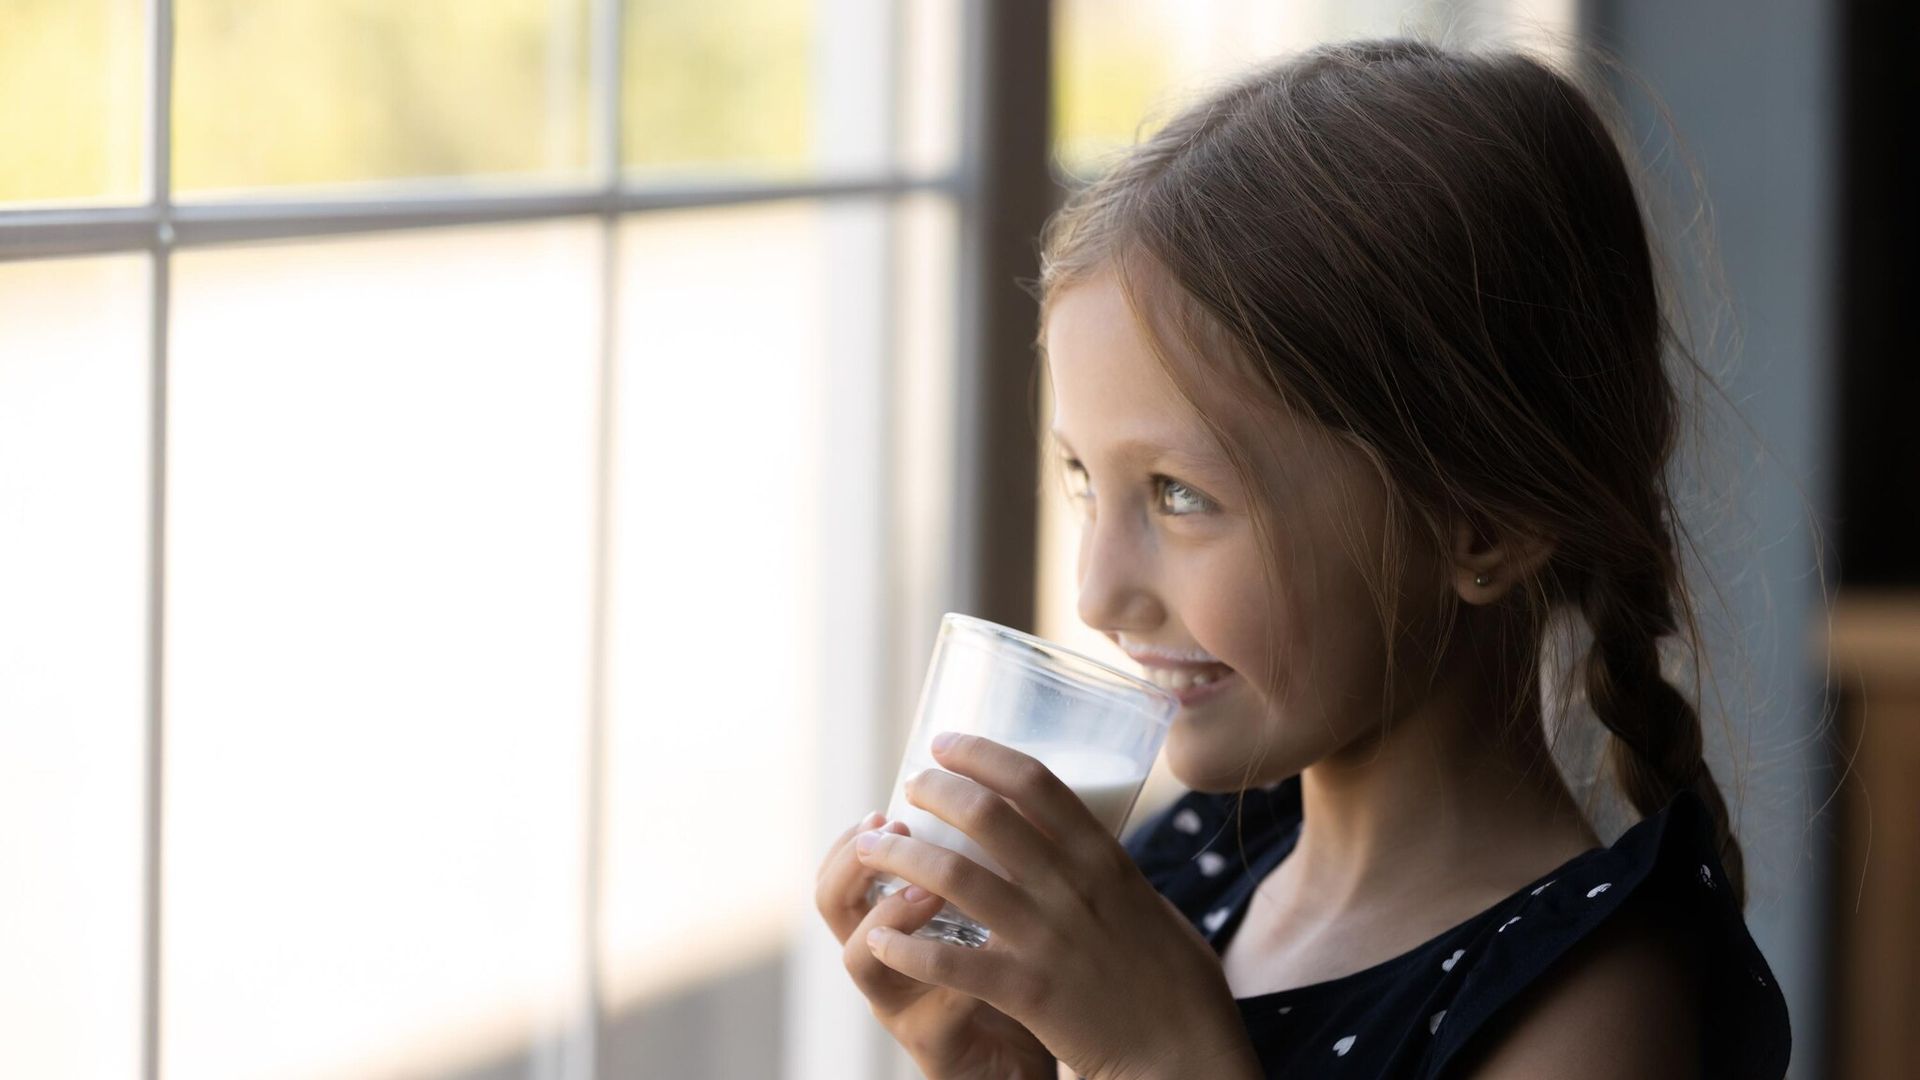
[1358, 374]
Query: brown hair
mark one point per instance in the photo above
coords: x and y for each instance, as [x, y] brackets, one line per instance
[1440, 257]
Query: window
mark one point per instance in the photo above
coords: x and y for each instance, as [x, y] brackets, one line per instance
[450, 456]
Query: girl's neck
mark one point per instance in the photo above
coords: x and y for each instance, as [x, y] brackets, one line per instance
[1453, 795]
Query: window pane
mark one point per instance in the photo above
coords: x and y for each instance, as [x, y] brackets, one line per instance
[276, 92]
[931, 32]
[1118, 63]
[73, 612]
[927, 242]
[719, 85]
[74, 76]
[379, 584]
[1110, 60]
[763, 88]
[723, 346]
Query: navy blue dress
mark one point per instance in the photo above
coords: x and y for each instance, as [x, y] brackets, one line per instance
[1412, 1015]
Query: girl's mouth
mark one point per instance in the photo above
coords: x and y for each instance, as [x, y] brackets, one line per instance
[1193, 686]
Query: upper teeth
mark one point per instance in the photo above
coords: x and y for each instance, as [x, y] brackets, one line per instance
[1180, 678]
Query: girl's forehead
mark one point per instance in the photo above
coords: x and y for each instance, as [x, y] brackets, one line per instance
[1109, 386]
[1090, 324]
[1099, 355]
[1116, 393]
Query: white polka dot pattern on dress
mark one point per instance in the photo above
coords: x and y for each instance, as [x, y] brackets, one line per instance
[1433, 1023]
[1187, 821]
[1212, 920]
[1447, 964]
[1343, 1046]
[1212, 862]
[1285, 1009]
[1598, 889]
[1706, 876]
[1536, 892]
[1509, 922]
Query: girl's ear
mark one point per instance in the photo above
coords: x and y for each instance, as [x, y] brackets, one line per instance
[1486, 562]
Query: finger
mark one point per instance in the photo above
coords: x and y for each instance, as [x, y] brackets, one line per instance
[974, 889]
[1025, 782]
[988, 819]
[984, 973]
[841, 892]
[887, 990]
[871, 821]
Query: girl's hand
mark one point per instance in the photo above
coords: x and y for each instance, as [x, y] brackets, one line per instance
[950, 1035]
[1106, 972]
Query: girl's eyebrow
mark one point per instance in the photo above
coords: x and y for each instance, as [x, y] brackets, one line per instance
[1147, 452]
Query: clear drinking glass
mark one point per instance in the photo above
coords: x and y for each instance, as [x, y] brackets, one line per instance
[1094, 726]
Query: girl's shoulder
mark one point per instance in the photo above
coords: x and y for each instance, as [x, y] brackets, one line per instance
[1660, 886]
[1662, 878]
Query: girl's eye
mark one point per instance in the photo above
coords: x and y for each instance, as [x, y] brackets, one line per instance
[1077, 487]
[1188, 502]
[1199, 502]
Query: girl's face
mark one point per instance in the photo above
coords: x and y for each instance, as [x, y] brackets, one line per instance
[1169, 559]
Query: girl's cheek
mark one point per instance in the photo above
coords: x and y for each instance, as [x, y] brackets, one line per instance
[1258, 629]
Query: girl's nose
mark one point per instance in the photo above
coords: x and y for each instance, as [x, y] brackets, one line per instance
[1116, 589]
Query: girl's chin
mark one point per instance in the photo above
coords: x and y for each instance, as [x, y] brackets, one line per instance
[1211, 769]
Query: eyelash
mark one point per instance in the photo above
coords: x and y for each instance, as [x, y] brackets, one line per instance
[1162, 484]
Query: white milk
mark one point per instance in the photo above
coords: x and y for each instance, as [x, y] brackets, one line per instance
[1105, 780]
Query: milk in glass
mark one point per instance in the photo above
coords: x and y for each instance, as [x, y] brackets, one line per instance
[1106, 780]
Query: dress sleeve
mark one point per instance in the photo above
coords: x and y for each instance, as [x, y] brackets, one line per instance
[1668, 861]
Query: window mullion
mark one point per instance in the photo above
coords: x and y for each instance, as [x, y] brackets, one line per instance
[160, 202]
[606, 30]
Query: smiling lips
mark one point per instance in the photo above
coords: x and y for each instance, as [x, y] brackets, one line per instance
[1191, 685]
[1179, 678]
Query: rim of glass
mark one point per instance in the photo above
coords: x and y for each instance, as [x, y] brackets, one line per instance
[1072, 660]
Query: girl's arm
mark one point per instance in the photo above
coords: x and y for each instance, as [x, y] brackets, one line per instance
[1235, 1062]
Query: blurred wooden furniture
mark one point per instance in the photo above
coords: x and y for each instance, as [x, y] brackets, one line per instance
[1873, 1018]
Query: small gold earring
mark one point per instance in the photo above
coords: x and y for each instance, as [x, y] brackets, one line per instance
[1481, 579]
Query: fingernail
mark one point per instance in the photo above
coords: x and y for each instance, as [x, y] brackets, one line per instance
[914, 894]
[872, 820]
[875, 936]
[866, 842]
[944, 740]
